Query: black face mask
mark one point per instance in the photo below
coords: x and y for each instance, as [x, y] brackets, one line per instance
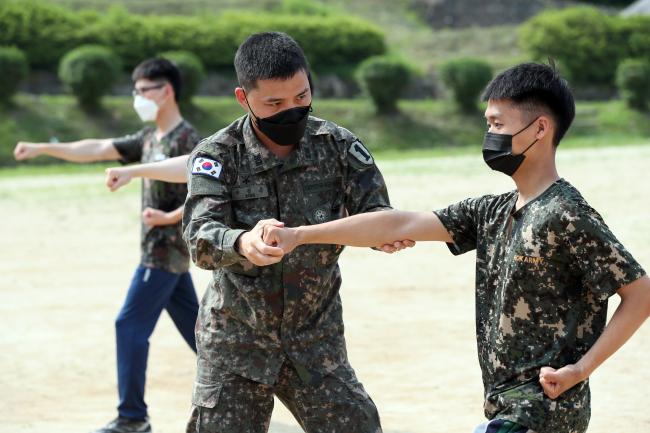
[285, 128]
[497, 152]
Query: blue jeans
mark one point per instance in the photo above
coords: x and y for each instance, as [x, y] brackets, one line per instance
[151, 290]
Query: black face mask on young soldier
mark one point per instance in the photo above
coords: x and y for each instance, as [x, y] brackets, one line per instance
[285, 128]
[497, 151]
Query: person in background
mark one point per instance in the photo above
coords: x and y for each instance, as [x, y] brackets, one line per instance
[161, 280]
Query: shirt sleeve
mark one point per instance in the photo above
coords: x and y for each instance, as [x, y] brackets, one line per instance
[365, 188]
[130, 146]
[207, 217]
[462, 221]
[603, 263]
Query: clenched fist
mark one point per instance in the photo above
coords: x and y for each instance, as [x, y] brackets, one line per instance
[556, 382]
[117, 177]
[25, 150]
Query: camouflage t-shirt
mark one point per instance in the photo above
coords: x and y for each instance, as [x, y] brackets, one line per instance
[252, 319]
[162, 246]
[543, 277]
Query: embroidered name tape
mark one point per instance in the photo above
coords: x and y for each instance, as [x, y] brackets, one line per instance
[206, 167]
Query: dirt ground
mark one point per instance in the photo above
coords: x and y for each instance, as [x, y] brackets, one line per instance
[68, 249]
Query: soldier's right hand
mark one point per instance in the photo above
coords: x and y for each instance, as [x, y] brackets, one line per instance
[252, 246]
[25, 150]
[117, 177]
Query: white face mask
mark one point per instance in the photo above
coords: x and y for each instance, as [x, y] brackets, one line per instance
[146, 108]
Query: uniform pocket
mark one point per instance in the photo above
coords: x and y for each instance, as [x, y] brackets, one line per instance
[325, 254]
[321, 201]
[205, 415]
[206, 395]
[317, 214]
[251, 204]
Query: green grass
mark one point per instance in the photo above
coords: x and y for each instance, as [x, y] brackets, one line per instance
[424, 128]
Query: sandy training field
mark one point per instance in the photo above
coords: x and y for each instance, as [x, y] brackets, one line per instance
[68, 249]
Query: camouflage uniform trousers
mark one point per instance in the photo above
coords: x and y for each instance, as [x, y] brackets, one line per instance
[223, 402]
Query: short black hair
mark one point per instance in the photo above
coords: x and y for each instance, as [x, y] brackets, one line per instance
[159, 68]
[268, 56]
[536, 88]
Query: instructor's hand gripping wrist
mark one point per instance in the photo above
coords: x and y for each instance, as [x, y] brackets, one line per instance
[284, 238]
[251, 245]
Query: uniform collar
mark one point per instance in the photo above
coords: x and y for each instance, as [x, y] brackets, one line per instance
[516, 213]
[261, 159]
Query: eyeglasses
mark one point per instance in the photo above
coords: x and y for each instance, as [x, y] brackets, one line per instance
[143, 90]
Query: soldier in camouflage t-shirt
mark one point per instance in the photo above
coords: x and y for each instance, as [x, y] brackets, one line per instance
[162, 280]
[544, 273]
[546, 263]
[162, 246]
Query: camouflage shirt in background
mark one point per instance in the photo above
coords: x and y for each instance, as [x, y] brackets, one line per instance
[163, 246]
[543, 277]
[253, 318]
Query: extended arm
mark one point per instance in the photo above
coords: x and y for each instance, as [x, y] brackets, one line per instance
[172, 170]
[363, 230]
[77, 151]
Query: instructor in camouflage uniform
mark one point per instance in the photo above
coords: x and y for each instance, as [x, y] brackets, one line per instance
[269, 327]
[546, 263]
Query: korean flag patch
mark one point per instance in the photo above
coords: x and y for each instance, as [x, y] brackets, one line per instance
[360, 153]
[206, 167]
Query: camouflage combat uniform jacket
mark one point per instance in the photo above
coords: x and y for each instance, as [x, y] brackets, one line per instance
[543, 277]
[253, 318]
[162, 247]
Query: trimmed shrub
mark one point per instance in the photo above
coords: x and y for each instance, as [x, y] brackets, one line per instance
[329, 42]
[135, 38]
[89, 72]
[43, 31]
[633, 81]
[192, 72]
[619, 3]
[304, 7]
[385, 79]
[636, 32]
[586, 42]
[13, 70]
[47, 32]
[466, 78]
